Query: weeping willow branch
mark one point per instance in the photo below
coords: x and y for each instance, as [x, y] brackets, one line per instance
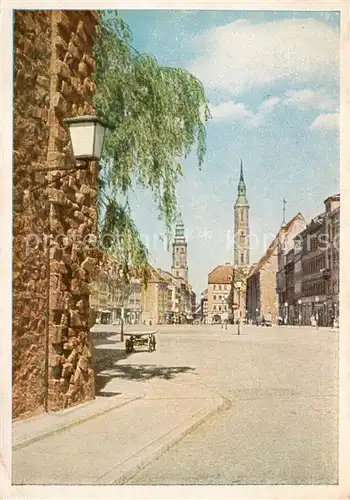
[155, 116]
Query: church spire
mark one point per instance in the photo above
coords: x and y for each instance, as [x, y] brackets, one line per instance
[242, 190]
[241, 178]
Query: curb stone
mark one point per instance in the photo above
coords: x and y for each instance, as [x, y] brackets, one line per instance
[28, 441]
[132, 466]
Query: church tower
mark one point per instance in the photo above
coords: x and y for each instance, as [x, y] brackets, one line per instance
[241, 250]
[179, 267]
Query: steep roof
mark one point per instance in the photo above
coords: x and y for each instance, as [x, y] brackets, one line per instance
[221, 275]
[273, 245]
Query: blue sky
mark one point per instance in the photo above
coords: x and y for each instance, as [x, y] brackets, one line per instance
[272, 79]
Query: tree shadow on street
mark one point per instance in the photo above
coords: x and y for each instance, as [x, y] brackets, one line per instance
[141, 373]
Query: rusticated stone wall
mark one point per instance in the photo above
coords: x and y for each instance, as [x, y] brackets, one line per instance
[32, 61]
[52, 353]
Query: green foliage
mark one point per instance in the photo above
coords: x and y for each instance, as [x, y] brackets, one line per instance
[155, 115]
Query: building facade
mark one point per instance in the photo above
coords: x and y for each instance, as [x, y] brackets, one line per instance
[241, 225]
[262, 298]
[219, 287]
[179, 267]
[285, 275]
[320, 266]
[331, 275]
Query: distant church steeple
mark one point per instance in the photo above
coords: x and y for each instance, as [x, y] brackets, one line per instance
[241, 224]
[179, 267]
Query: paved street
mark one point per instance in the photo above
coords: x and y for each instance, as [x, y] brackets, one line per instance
[281, 427]
[278, 423]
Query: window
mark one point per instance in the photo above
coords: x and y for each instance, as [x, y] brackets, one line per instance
[220, 296]
[214, 308]
[214, 287]
[177, 249]
[219, 287]
[242, 215]
[182, 250]
[242, 258]
[225, 287]
[177, 263]
[177, 273]
[219, 308]
[214, 297]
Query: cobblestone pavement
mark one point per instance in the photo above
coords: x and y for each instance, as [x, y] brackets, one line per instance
[282, 423]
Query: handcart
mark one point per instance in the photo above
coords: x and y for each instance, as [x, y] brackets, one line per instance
[140, 339]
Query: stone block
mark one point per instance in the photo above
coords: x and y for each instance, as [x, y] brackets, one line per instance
[62, 20]
[62, 70]
[59, 103]
[88, 264]
[79, 216]
[67, 370]
[89, 62]
[83, 364]
[56, 333]
[74, 50]
[43, 81]
[57, 300]
[57, 197]
[73, 357]
[55, 360]
[83, 70]
[78, 377]
[81, 32]
[75, 319]
[80, 198]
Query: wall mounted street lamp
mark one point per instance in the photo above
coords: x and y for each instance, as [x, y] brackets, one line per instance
[239, 286]
[87, 135]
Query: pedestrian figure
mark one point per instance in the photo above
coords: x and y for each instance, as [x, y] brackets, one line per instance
[224, 320]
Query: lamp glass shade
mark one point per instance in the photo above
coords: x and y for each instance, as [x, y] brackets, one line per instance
[87, 136]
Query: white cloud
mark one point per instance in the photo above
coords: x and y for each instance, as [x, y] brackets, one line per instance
[308, 98]
[230, 110]
[242, 55]
[327, 121]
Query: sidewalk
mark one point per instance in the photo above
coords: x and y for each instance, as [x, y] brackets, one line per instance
[108, 440]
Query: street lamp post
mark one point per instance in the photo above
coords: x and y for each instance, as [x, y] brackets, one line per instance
[256, 315]
[202, 307]
[299, 311]
[317, 299]
[286, 313]
[238, 286]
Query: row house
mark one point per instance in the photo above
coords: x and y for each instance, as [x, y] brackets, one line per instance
[320, 266]
[307, 280]
[331, 274]
[219, 288]
[111, 298]
[166, 299]
[154, 298]
[285, 270]
[263, 298]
